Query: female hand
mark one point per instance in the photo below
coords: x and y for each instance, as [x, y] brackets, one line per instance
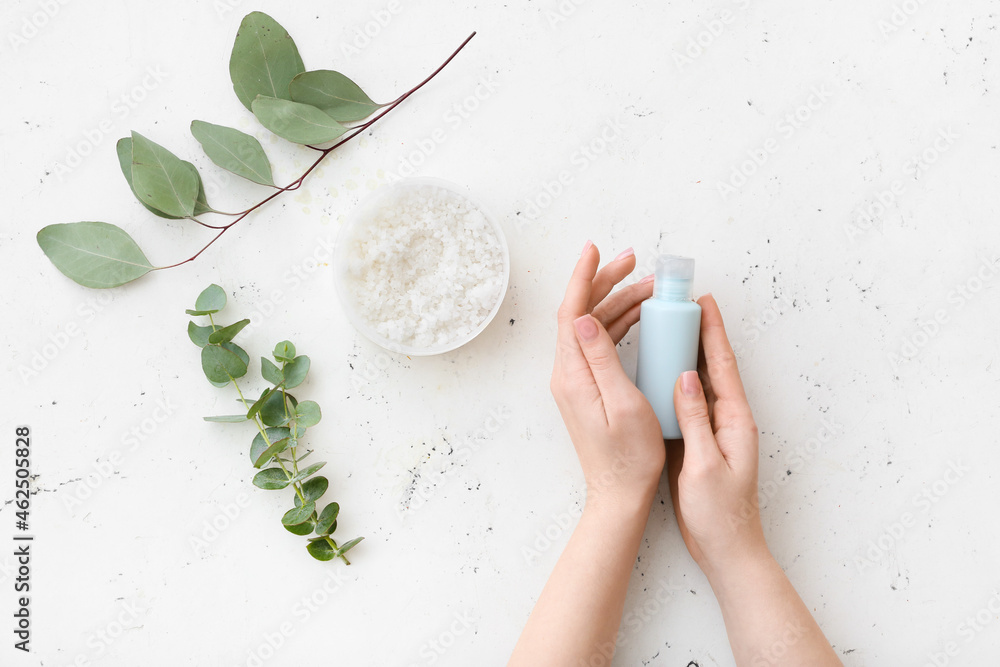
[713, 472]
[612, 425]
[713, 479]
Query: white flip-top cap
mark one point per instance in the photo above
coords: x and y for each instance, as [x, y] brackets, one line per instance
[673, 278]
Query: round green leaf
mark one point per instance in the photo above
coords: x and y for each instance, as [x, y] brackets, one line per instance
[284, 351]
[270, 372]
[260, 445]
[333, 93]
[271, 479]
[321, 550]
[234, 151]
[327, 519]
[226, 334]
[211, 300]
[314, 488]
[298, 515]
[302, 528]
[296, 371]
[298, 123]
[264, 59]
[238, 351]
[161, 179]
[199, 335]
[221, 365]
[94, 254]
[307, 413]
[274, 412]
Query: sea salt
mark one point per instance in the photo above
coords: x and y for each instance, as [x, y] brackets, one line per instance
[425, 268]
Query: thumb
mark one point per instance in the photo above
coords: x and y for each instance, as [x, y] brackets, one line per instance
[602, 357]
[692, 416]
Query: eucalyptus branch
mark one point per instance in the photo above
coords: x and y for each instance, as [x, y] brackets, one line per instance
[310, 108]
[280, 419]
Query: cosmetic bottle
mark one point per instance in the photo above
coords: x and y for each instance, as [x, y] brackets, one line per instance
[669, 326]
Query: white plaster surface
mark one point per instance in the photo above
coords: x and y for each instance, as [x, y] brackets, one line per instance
[816, 307]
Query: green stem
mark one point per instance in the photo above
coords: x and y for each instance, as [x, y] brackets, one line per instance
[333, 544]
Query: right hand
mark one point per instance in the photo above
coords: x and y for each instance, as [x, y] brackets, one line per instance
[713, 473]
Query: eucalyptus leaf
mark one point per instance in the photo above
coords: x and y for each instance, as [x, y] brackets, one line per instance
[264, 59]
[347, 546]
[314, 488]
[201, 204]
[161, 179]
[327, 518]
[334, 94]
[227, 419]
[272, 451]
[270, 372]
[221, 365]
[234, 151]
[260, 445]
[302, 528]
[238, 351]
[93, 254]
[275, 411]
[298, 515]
[255, 408]
[124, 150]
[211, 300]
[296, 371]
[321, 550]
[305, 472]
[298, 123]
[284, 351]
[307, 413]
[271, 479]
[226, 334]
[199, 335]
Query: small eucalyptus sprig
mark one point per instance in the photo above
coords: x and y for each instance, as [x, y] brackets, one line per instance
[281, 422]
[308, 108]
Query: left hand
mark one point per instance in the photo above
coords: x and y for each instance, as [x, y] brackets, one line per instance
[613, 427]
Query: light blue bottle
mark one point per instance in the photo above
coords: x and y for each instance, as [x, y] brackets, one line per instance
[669, 326]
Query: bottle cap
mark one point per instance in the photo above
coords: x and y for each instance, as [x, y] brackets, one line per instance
[673, 278]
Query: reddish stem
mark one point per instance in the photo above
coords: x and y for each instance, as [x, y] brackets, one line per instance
[323, 152]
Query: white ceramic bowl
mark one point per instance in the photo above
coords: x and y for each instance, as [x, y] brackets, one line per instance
[361, 214]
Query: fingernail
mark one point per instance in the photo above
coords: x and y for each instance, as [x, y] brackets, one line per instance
[690, 384]
[647, 279]
[586, 327]
[625, 253]
[586, 248]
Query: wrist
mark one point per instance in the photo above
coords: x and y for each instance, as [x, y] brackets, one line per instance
[621, 503]
[753, 563]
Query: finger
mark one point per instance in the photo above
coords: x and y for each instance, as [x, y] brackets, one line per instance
[577, 294]
[620, 327]
[700, 447]
[616, 305]
[720, 361]
[602, 357]
[612, 274]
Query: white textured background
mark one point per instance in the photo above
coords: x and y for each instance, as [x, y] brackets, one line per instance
[818, 308]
